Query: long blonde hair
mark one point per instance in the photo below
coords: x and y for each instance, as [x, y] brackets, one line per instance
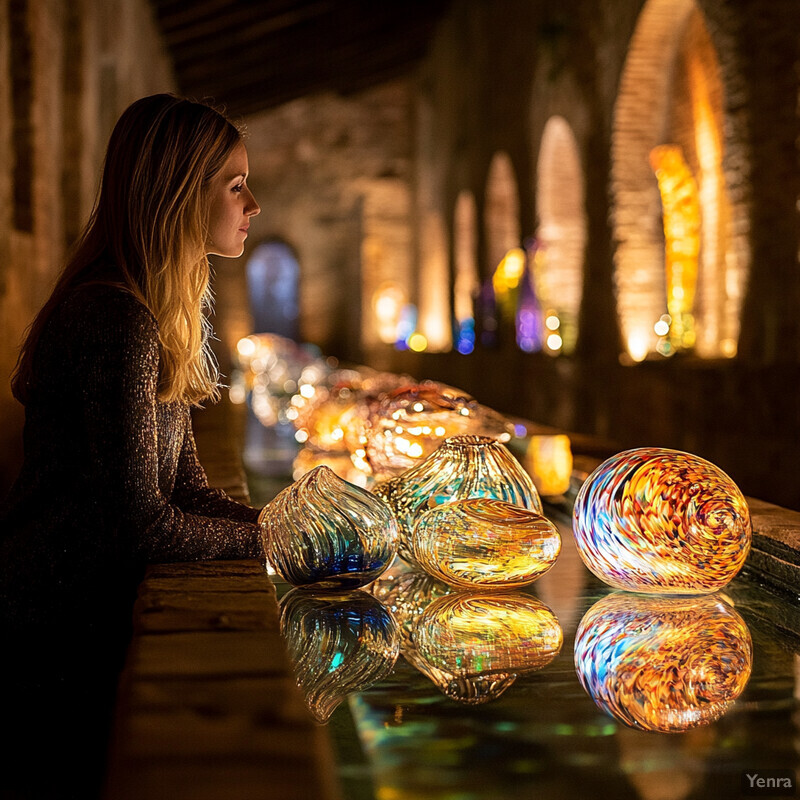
[148, 233]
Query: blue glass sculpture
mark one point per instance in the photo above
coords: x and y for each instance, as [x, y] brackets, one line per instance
[325, 532]
[658, 520]
[663, 664]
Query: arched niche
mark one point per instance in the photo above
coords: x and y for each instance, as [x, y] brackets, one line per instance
[273, 277]
[561, 232]
[671, 92]
[501, 210]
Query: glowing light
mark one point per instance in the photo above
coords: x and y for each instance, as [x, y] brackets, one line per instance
[661, 328]
[728, 348]
[388, 303]
[417, 342]
[554, 341]
[552, 322]
[307, 390]
[301, 436]
[246, 347]
[682, 224]
[548, 460]
[237, 394]
[638, 345]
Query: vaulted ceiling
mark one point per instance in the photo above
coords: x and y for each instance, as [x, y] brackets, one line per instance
[254, 54]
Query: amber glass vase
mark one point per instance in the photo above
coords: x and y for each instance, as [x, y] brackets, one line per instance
[325, 532]
[484, 543]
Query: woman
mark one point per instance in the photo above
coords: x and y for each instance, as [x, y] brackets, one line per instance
[107, 374]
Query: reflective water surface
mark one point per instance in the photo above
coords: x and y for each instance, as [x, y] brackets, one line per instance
[565, 689]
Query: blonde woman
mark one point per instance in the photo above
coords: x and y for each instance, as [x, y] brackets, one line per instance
[108, 372]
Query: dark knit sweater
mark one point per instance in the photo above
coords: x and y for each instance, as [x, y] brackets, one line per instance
[111, 479]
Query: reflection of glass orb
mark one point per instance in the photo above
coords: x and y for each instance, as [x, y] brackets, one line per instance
[338, 644]
[325, 532]
[663, 664]
[477, 644]
[657, 520]
[485, 543]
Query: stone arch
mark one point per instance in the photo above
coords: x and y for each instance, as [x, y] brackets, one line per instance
[671, 91]
[561, 230]
[501, 210]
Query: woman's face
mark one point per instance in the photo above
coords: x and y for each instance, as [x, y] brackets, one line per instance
[232, 205]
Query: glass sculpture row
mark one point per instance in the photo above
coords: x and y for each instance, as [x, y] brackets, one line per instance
[651, 663]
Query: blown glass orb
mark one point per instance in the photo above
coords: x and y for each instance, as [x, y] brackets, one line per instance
[657, 520]
[409, 423]
[663, 664]
[460, 468]
[485, 543]
[338, 644]
[325, 532]
[483, 642]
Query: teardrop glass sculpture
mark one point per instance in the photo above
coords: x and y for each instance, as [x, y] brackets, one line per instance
[487, 639]
[460, 468]
[338, 644]
[663, 664]
[325, 532]
[485, 543]
[658, 520]
[408, 424]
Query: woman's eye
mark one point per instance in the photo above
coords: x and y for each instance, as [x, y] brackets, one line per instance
[238, 188]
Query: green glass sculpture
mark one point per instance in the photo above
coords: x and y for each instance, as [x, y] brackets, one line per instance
[462, 467]
[485, 543]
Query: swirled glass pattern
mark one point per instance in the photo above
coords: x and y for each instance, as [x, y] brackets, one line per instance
[326, 532]
[338, 644]
[460, 468]
[663, 664]
[485, 543]
[658, 520]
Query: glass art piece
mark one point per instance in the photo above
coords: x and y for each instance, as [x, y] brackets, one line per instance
[325, 532]
[409, 423]
[663, 664]
[485, 543]
[657, 520]
[478, 644]
[460, 468]
[338, 644]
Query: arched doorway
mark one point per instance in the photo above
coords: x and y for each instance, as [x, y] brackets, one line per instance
[273, 275]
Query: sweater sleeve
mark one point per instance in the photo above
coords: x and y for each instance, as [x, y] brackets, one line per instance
[192, 492]
[119, 359]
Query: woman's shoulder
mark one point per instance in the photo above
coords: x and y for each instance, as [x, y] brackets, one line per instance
[109, 303]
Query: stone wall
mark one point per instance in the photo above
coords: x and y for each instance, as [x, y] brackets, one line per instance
[68, 69]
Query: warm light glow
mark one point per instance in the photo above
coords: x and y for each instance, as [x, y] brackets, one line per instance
[682, 222]
[554, 341]
[638, 345]
[552, 322]
[728, 348]
[434, 321]
[246, 347]
[417, 342]
[548, 460]
[388, 303]
[661, 328]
